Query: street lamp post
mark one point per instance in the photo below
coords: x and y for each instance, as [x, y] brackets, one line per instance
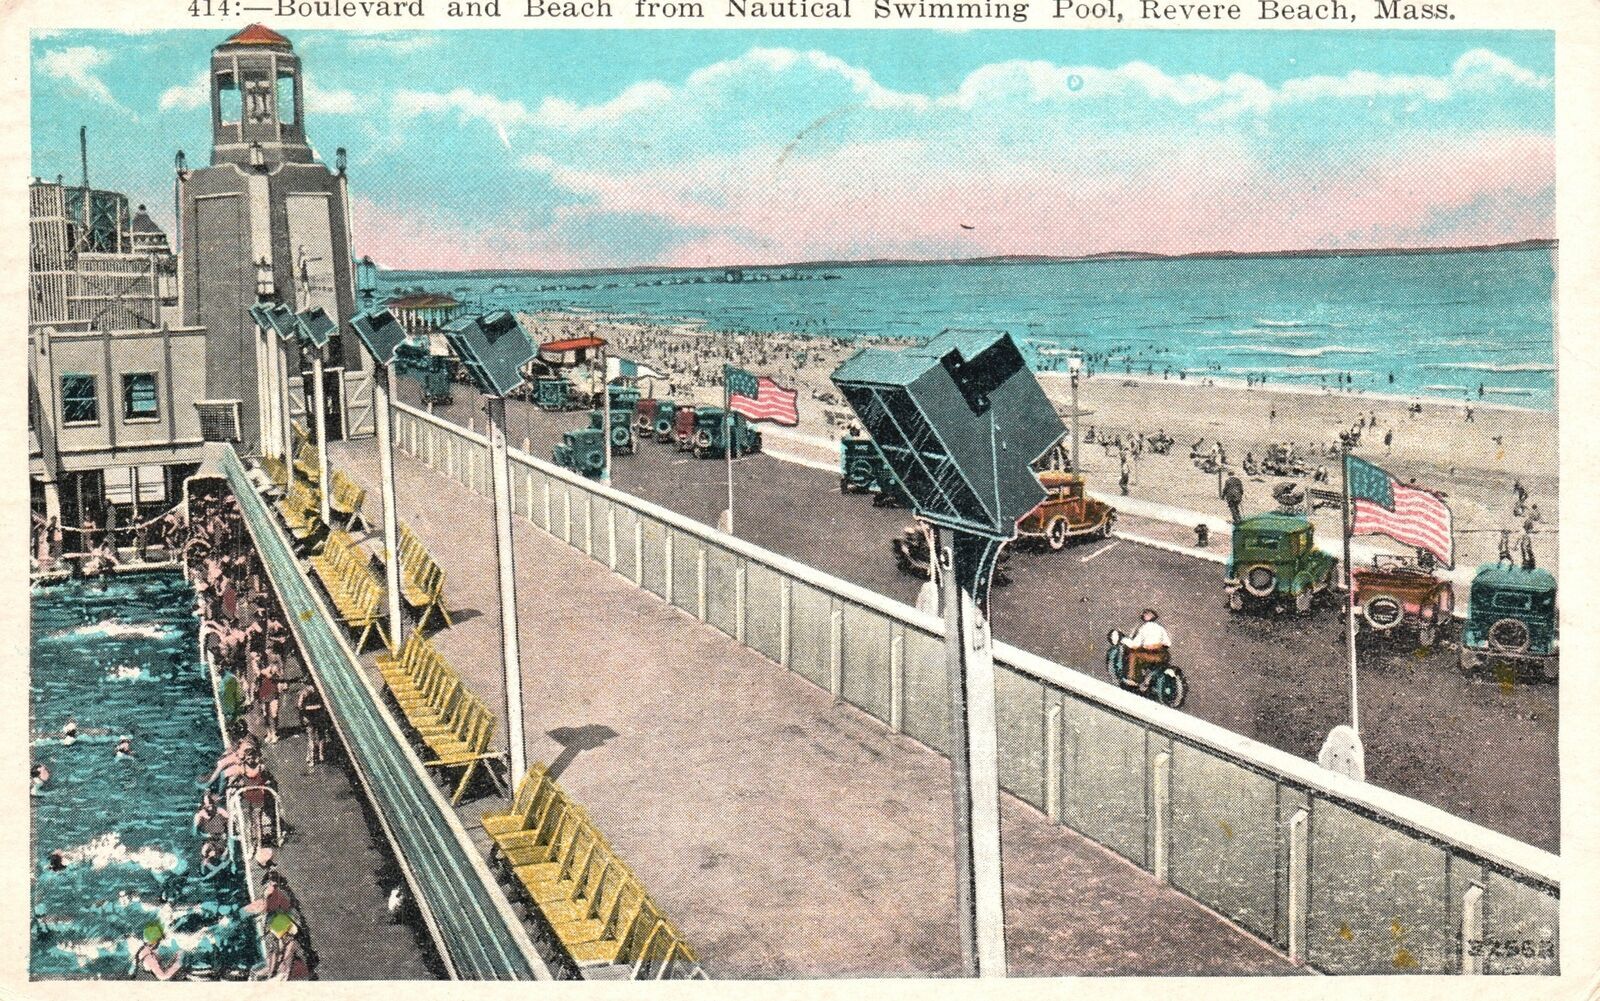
[1074, 366]
[277, 318]
[382, 335]
[959, 421]
[493, 350]
[316, 327]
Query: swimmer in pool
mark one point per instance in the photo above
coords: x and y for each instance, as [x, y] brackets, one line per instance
[69, 732]
[147, 961]
[125, 748]
[56, 861]
[124, 671]
[41, 775]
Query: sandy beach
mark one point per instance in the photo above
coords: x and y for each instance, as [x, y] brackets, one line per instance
[1474, 463]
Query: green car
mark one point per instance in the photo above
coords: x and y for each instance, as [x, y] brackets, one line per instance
[582, 451]
[862, 470]
[552, 393]
[710, 434]
[1511, 619]
[1275, 561]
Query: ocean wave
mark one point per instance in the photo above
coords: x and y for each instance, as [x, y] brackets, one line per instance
[1509, 390]
[107, 849]
[1288, 370]
[1484, 366]
[1274, 332]
[1286, 323]
[1447, 389]
[1272, 349]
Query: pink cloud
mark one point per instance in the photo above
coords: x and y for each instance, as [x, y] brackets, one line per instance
[1166, 196]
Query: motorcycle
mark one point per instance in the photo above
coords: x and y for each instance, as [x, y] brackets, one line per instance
[1158, 678]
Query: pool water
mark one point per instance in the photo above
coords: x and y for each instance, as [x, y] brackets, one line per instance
[121, 657]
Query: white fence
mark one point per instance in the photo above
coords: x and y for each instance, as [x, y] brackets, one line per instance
[1346, 876]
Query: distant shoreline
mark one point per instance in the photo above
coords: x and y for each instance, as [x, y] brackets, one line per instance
[1132, 255]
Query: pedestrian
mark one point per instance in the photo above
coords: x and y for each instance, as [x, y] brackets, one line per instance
[314, 719]
[1525, 545]
[1469, 415]
[1505, 546]
[1233, 493]
[1125, 473]
[1388, 440]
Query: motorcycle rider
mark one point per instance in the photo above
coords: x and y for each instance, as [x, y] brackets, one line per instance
[1149, 644]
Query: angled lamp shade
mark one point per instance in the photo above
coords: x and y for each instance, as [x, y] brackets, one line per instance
[380, 332]
[492, 348]
[959, 420]
[315, 326]
[276, 317]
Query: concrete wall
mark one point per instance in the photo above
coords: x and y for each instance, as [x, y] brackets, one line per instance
[1351, 878]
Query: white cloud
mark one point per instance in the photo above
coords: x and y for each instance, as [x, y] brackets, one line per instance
[468, 105]
[562, 114]
[395, 45]
[329, 102]
[188, 96]
[76, 65]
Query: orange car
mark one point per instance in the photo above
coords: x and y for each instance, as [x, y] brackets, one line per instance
[1395, 594]
[1066, 513]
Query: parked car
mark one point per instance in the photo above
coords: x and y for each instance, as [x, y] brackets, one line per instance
[552, 393]
[1511, 619]
[644, 417]
[666, 411]
[1396, 596]
[862, 469]
[683, 427]
[1067, 512]
[711, 433]
[582, 451]
[1276, 562]
[911, 548]
[622, 439]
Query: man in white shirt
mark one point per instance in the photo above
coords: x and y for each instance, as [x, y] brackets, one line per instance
[1149, 645]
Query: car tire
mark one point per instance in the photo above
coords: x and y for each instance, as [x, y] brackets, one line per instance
[1509, 636]
[1169, 688]
[1055, 534]
[1383, 612]
[1261, 581]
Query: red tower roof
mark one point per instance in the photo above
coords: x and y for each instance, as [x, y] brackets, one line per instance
[258, 34]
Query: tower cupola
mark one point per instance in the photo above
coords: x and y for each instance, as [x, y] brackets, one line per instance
[257, 101]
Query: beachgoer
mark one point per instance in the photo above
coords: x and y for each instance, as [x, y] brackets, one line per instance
[69, 732]
[211, 819]
[125, 747]
[1125, 472]
[268, 696]
[146, 959]
[1233, 494]
[289, 959]
[314, 718]
[1505, 546]
[56, 860]
[1388, 440]
[1525, 545]
[41, 775]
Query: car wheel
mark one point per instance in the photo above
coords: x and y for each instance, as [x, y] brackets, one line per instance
[1383, 612]
[1055, 534]
[1260, 581]
[1509, 636]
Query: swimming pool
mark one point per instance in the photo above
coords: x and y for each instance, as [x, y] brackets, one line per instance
[121, 658]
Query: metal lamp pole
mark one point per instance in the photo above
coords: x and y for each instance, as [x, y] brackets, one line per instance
[500, 476]
[966, 563]
[323, 508]
[1074, 363]
[382, 378]
[605, 414]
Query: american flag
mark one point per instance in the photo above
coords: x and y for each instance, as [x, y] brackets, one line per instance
[1382, 505]
[759, 398]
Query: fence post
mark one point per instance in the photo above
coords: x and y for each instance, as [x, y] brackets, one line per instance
[638, 550]
[588, 526]
[566, 514]
[611, 536]
[784, 591]
[528, 479]
[836, 653]
[700, 583]
[1160, 807]
[548, 526]
[1299, 883]
[739, 577]
[1471, 929]
[667, 547]
[1052, 765]
[897, 680]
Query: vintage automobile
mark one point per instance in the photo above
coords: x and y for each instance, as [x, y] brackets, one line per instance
[1395, 595]
[911, 555]
[1066, 513]
[622, 439]
[1275, 562]
[552, 393]
[1511, 619]
[683, 427]
[644, 417]
[662, 430]
[711, 430]
[863, 470]
[582, 451]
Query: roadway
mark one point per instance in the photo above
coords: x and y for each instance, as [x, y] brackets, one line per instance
[1480, 749]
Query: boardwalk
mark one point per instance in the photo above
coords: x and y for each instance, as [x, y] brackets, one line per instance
[787, 836]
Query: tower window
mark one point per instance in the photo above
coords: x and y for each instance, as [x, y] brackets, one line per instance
[228, 93]
[139, 400]
[288, 111]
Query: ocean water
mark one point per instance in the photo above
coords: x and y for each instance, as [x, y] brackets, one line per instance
[122, 658]
[1441, 325]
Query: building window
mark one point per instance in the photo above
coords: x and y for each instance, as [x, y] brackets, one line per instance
[288, 114]
[230, 100]
[139, 401]
[80, 404]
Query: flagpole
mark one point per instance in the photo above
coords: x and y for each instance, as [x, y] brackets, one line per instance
[605, 419]
[1350, 592]
[727, 450]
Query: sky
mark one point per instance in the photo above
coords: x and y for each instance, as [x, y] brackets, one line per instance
[592, 149]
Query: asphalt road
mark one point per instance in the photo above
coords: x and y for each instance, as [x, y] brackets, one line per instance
[1481, 749]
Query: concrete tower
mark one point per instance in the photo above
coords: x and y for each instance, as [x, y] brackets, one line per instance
[266, 221]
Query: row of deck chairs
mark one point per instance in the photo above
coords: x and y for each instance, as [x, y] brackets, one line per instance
[591, 901]
[357, 591]
[454, 726]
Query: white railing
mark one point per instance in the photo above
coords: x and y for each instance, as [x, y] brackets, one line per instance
[1343, 875]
